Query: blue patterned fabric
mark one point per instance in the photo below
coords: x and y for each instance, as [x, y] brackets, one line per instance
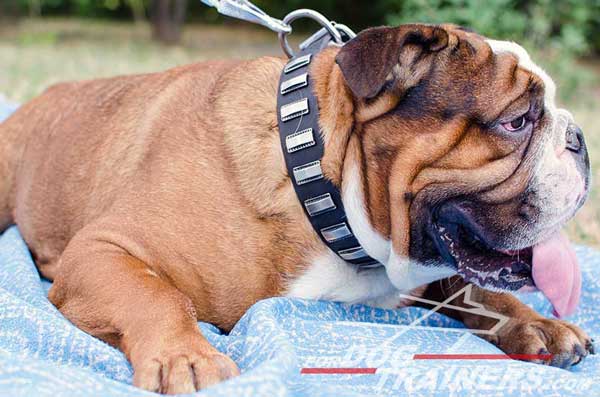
[42, 354]
[6, 108]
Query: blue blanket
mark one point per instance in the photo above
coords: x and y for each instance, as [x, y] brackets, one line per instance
[42, 354]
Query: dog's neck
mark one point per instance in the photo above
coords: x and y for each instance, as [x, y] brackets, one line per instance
[336, 110]
[349, 162]
[346, 163]
[344, 159]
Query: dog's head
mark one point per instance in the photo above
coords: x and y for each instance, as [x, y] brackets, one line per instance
[468, 162]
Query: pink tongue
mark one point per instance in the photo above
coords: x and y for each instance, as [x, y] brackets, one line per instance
[556, 273]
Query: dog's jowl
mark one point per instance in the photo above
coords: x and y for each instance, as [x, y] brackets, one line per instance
[158, 200]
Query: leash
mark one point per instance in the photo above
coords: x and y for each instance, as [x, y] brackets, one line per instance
[298, 118]
[245, 10]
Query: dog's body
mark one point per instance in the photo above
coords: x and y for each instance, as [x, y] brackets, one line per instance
[158, 200]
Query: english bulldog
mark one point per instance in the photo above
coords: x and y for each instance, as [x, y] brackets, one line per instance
[158, 200]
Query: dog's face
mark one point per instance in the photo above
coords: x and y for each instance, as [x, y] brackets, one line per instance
[465, 151]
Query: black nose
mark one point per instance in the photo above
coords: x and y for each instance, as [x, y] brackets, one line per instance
[574, 138]
[575, 142]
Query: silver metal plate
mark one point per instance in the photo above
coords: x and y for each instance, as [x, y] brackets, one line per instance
[353, 253]
[294, 109]
[336, 232]
[369, 266]
[294, 83]
[320, 204]
[299, 140]
[308, 172]
[297, 63]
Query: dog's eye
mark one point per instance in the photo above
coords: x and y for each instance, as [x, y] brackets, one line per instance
[515, 125]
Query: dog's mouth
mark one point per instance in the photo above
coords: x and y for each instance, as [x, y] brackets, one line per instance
[549, 266]
[478, 263]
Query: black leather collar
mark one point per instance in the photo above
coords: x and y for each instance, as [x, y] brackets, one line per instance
[303, 148]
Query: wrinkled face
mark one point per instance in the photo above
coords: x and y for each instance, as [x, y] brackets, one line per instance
[465, 150]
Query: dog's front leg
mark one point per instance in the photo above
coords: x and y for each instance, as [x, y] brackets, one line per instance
[526, 333]
[118, 298]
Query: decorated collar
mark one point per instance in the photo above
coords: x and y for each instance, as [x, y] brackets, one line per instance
[303, 149]
[299, 132]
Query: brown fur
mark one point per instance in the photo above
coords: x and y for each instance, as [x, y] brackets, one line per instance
[157, 200]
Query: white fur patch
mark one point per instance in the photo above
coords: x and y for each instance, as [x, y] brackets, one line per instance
[331, 278]
[352, 195]
[407, 275]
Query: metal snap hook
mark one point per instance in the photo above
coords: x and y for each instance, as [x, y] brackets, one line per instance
[315, 16]
[345, 31]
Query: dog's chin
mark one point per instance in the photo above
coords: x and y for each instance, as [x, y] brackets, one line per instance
[477, 262]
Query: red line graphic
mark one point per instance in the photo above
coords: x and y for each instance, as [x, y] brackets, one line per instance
[321, 371]
[355, 371]
[482, 357]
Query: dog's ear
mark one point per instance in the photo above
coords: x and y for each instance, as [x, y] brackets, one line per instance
[367, 60]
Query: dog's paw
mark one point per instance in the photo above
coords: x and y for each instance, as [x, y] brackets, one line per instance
[181, 368]
[547, 341]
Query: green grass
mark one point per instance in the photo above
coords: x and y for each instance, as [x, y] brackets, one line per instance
[37, 53]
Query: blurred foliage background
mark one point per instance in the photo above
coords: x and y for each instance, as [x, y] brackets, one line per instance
[558, 30]
[572, 24]
[46, 41]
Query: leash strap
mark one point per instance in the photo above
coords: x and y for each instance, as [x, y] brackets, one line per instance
[303, 149]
